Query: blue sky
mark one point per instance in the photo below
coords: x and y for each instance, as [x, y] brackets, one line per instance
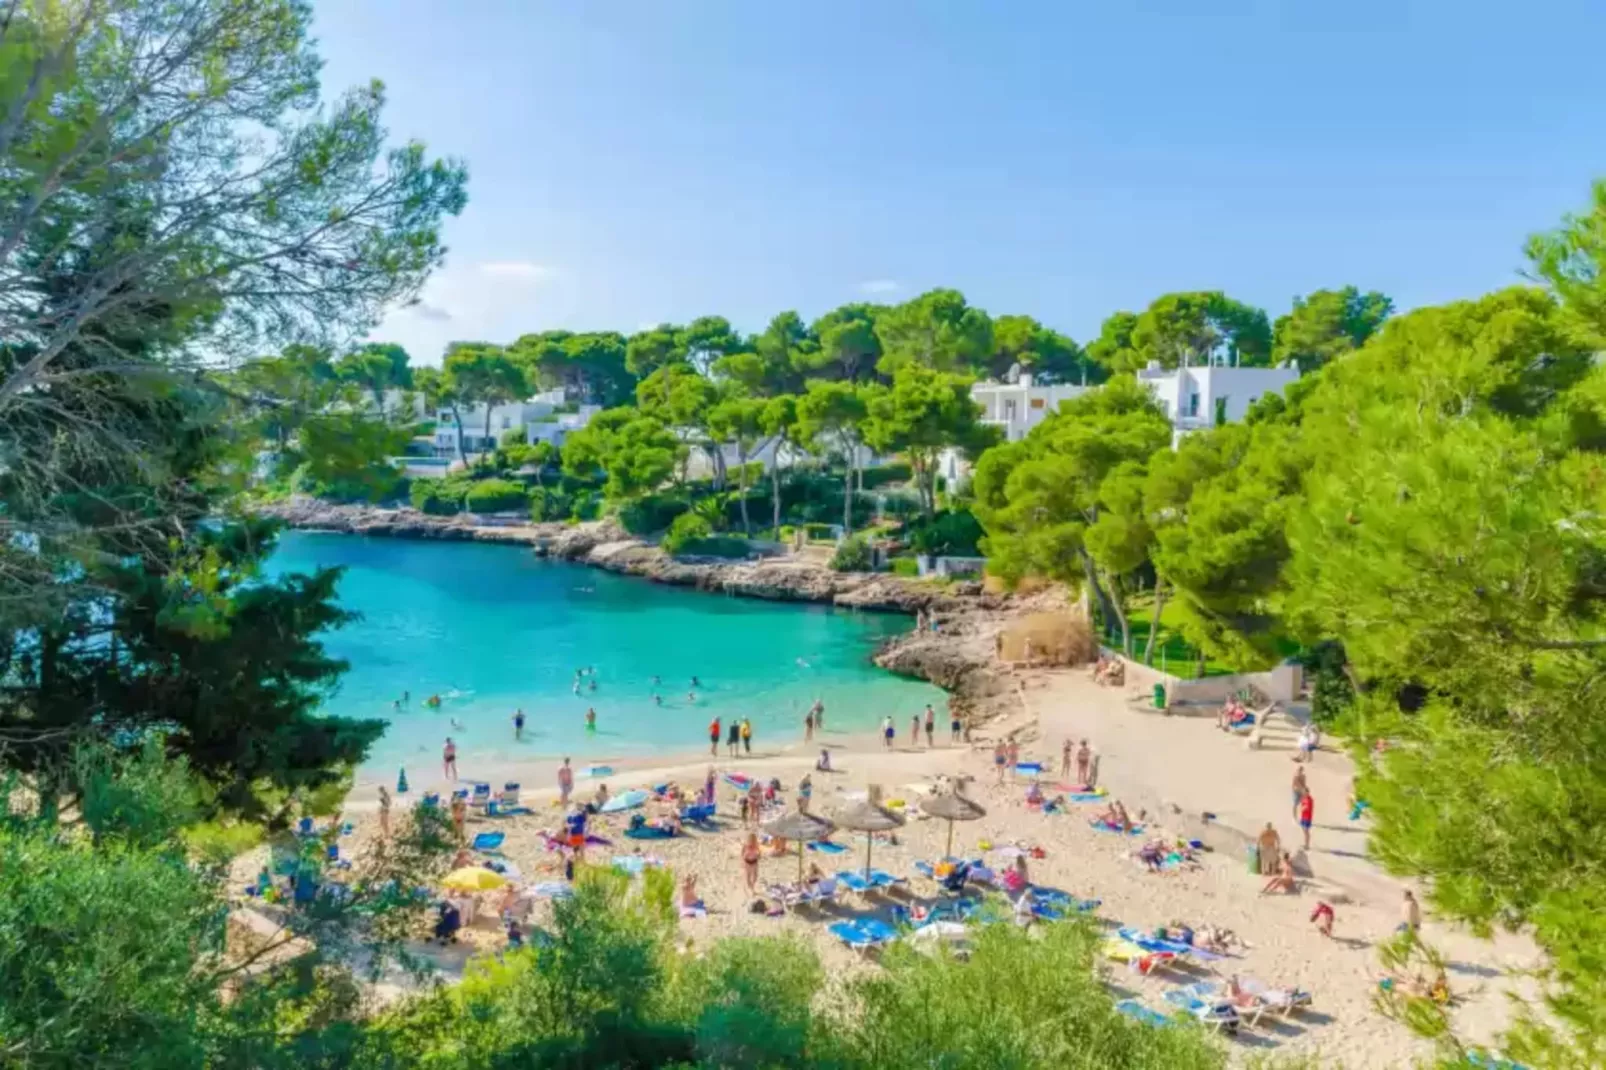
[635, 161]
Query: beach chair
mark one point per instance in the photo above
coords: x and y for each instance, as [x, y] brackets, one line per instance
[827, 847]
[855, 882]
[488, 841]
[1135, 1010]
[863, 934]
[880, 878]
[481, 799]
[1214, 1011]
[1137, 958]
[1281, 1002]
[700, 814]
[304, 827]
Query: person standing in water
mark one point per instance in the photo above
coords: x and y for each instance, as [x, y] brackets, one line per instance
[713, 737]
[914, 729]
[819, 715]
[449, 759]
[808, 726]
[591, 718]
[887, 731]
[518, 724]
[747, 735]
[565, 783]
[733, 738]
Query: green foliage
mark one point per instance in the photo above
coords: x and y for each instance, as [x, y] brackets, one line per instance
[550, 504]
[588, 365]
[947, 533]
[877, 476]
[1048, 355]
[653, 513]
[853, 555]
[496, 496]
[936, 330]
[438, 497]
[1326, 325]
[922, 414]
[632, 453]
[692, 536]
[1193, 328]
[849, 347]
[904, 566]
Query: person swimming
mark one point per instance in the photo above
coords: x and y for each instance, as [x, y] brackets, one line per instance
[591, 719]
[696, 682]
[433, 702]
[593, 683]
[658, 700]
[457, 724]
[691, 697]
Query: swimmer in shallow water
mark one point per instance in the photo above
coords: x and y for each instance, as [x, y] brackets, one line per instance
[591, 719]
[658, 700]
[696, 682]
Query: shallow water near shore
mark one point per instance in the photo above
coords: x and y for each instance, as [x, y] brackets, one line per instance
[493, 628]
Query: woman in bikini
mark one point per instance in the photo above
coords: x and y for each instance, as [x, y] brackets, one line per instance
[750, 857]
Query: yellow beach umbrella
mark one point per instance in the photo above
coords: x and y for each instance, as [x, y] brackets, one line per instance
[473, 879]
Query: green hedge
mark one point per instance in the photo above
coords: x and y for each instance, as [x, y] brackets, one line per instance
[852, 556]
[905, 566]
[948, 533]
[652, 513]
[497, 496]
[881, 475]
[550, 504]
[438, 497]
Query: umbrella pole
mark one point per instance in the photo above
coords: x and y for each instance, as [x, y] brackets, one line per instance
[800, 864]
[950, 852]
[869, 842]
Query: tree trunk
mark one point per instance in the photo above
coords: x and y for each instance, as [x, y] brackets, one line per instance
[1106, 609]
[775, 492]
[487, 437]
[1118, 606]
[741, 485]
[457, 422]
[847, 496]
[1154, 625]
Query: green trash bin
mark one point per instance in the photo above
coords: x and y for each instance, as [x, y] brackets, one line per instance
[1159, 696]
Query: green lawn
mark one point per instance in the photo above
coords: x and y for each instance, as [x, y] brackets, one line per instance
[1172, 653]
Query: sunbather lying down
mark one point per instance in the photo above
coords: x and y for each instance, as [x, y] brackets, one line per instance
[1115, 816]
[1284, 880]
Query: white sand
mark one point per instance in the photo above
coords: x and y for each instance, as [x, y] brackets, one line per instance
[1148, 760]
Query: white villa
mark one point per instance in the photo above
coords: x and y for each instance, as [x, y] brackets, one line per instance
[1192, 398]
[1196, 398]
[538, 417]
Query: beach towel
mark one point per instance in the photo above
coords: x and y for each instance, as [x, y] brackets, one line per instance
[1133, 1009]
[827, 847]
[696, 910]
[488, 841]
[649, 832]
[739, 781]
[1034, 768]
[1087, 796]
[627, 800]
[597, 770]
[551, 890]
[1105, 826]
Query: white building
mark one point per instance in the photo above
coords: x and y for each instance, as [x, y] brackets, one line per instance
[1020, 406]
[1195, 398]
[540, 418]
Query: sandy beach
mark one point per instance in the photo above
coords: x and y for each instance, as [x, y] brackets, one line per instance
[1173, 768]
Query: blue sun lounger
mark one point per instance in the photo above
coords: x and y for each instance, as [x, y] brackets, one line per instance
[880, 878]
[1133, 1009]
[488, 841]
[854, 881]
[863, 934]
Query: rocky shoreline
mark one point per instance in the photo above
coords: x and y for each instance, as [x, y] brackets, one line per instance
[957, 656]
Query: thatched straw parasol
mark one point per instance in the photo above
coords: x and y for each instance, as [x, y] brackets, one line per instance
[869, 817]
[802, 827]
[952, 808]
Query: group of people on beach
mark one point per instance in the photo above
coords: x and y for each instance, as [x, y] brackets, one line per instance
[740, 736]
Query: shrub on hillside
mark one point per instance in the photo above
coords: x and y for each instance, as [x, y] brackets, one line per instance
[905, 566]
[949, 533]
[853, 555]
[881, 475]
[548, 504]
[587, 505]
[652, 513]
[437, 497]
[496, 496]
[693, 536]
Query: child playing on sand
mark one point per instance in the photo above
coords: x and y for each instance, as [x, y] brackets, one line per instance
[1323, 917]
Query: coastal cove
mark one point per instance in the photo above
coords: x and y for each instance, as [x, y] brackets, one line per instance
[494, 628]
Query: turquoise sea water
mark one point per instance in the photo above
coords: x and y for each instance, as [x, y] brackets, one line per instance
[493, 628]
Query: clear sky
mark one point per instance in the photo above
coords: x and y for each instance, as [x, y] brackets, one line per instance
[636, 161]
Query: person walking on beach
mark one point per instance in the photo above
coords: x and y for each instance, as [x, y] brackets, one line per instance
[565, 783]
[1084, 762]
[1300, 788]
[518, 725]
[750, 856]
[733, 738]
[459, 814]
[1307, 809]
[1013, 756]
[808, 726]
[747, 736]
[755, 803]
[931, 726]
[384, 812]
[954, 727]
[449, 759]
[914, 729]
[1000, 756]
[1066, 750]
[713, 737]
[887, 731]
[1410, 914]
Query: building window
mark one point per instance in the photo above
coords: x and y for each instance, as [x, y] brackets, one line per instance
[1009, 410]
[507, 422]
[1221, 410]
[1037, 403]
[1193, 405]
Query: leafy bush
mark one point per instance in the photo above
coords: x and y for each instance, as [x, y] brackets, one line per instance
[437, 497]
[513, 436]
[652, 513]
[881, 475]
[947, 534]
[688, 527]
[905, 566]
[548, 504]
[853, 555]
[587, 505]
[497, 496]
[819, 531]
